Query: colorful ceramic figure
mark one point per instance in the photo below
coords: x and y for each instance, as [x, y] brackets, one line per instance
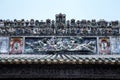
[16, 45]
[104, 45]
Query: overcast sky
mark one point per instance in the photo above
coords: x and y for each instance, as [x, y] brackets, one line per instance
[44, 9]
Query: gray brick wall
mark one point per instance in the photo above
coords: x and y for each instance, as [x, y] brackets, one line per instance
[60, 71]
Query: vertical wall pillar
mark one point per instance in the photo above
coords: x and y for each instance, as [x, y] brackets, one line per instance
[110, 44]
[9, 45]
[23, 44]
[98, 47]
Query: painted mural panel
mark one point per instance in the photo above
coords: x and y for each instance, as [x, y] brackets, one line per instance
[4, 44]
[115, 45]
[16, 45]
[36, 45]
[104, 45]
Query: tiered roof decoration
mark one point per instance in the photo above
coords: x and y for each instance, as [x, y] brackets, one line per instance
[59, 27]
[60, 59]
[59, 41]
